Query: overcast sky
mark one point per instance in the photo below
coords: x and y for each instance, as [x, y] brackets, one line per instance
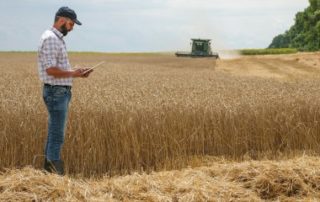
[149, 25]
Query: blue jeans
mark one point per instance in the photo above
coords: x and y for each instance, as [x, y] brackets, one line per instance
[57, 100]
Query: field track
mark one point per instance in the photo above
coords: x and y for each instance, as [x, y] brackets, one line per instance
[292, 66]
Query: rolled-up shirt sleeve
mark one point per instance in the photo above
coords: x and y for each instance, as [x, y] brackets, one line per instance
[50, 51]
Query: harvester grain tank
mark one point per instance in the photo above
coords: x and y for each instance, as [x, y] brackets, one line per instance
[200, 48]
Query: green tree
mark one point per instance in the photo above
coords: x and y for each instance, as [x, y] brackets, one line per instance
[305, 33]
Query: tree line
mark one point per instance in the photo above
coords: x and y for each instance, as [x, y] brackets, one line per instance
[304, 35]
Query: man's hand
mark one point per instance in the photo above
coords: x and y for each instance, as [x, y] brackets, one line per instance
[86, 72]
[82, 72]
[77, 72]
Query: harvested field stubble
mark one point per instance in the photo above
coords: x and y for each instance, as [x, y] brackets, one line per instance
[149, 112]
[297, 179]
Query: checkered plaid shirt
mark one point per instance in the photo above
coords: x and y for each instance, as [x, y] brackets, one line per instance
[52, 52]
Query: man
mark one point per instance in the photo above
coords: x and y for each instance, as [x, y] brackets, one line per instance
[56, 74]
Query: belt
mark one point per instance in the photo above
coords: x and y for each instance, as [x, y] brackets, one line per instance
[52, 86]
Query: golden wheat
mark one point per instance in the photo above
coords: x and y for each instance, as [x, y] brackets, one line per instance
[148, 112]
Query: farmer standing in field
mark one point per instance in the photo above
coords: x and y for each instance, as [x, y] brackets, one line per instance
[56, 74]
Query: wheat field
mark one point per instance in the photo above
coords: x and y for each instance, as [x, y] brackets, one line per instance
[152, 112]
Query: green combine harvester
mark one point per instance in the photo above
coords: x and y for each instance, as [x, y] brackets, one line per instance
[200, 48]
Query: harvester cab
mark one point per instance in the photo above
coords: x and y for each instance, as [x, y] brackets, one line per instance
[199, 48]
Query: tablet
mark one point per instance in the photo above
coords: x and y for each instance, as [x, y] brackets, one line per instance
[93, 67]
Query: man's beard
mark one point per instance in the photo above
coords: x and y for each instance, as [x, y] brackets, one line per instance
[64, 30]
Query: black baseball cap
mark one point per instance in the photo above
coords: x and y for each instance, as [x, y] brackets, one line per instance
[69, 13]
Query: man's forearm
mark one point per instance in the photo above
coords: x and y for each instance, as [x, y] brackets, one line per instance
[59, 73]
